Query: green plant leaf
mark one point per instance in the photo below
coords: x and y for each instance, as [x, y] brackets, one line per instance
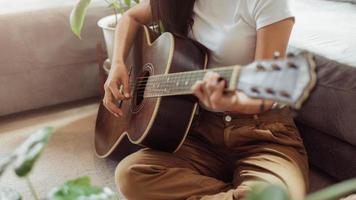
[335, 191]
[128, 3]
[81, 189]
[9, 194]
[137, 1]
[115, 5]
[267, 192]
[27, 154]
[77, 17]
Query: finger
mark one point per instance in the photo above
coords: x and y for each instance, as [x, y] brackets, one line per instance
[209, 75]
[211, 79]
[126, 84]
[199, 91]
[115, 91]
[113, 109]
[109, 109]
[218, 94]
[109, 104]
[206, 94]
[212, 83]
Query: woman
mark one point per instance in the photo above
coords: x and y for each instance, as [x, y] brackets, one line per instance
[235, 141]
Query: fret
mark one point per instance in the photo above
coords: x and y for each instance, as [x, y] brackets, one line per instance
[180, 83]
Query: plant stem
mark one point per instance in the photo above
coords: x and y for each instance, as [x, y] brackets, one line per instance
[115, 16]
[32, 189]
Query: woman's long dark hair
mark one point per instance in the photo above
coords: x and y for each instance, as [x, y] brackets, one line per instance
[175, 16]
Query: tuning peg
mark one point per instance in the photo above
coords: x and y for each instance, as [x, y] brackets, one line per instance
[292, 65]
[270, 91]
[285, 94]
[276, 67]
[276, 55]
[260, 67]
[290, 55]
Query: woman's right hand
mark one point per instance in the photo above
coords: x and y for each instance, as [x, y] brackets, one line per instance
[117, 88]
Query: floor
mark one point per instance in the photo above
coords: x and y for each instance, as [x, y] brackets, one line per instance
[70, 151]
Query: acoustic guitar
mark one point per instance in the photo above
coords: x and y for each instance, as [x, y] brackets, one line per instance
[162, 71]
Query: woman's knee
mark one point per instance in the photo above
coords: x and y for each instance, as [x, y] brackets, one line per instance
[125, 176]
[135, 172]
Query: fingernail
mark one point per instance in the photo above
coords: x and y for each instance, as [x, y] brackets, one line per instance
[127, 95]
[116, 115]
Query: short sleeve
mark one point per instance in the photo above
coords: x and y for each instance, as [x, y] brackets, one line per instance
[266, 12]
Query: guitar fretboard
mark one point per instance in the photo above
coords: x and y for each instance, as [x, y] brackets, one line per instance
[177, 83]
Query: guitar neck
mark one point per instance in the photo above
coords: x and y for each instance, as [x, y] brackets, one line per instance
[181, 83]
[285, 80]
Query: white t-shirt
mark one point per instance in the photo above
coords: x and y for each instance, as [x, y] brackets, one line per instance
[228, 28]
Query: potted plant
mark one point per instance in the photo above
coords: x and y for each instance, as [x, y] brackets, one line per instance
[108, 23]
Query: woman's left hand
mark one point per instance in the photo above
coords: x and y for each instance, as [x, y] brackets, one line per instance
[210, 91]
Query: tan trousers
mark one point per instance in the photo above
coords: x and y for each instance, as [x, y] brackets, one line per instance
[221, 160]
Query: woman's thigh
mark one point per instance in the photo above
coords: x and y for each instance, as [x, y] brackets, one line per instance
[196, 169]
[272, 164]
[272, 152]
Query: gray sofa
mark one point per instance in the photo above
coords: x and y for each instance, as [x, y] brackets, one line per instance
[327, 120]
[41, 62]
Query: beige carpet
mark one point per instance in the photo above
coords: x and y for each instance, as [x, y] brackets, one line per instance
[70, 151]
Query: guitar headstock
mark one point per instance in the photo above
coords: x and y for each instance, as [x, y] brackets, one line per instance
[288, 80]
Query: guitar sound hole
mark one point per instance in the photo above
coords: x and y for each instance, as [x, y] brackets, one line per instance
[140, 87]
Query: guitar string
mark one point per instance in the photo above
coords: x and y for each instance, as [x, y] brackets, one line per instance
[155, 77]
[156, 80]
[160, 93]
[179, 74]
[164, 84]
[172, 81]
[145, 84]
[163, 88]
[148, 85]
[172, 90]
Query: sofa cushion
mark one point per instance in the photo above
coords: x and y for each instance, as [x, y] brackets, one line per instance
[36, 36]
[42, 63]
[331, 107]
[333, 156]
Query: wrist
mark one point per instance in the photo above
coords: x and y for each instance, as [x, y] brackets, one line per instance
[117, 63]
[118, 66]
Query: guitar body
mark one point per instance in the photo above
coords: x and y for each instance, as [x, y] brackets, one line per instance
[160, 123]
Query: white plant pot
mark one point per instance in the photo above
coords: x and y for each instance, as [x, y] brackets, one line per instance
[109, 32]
